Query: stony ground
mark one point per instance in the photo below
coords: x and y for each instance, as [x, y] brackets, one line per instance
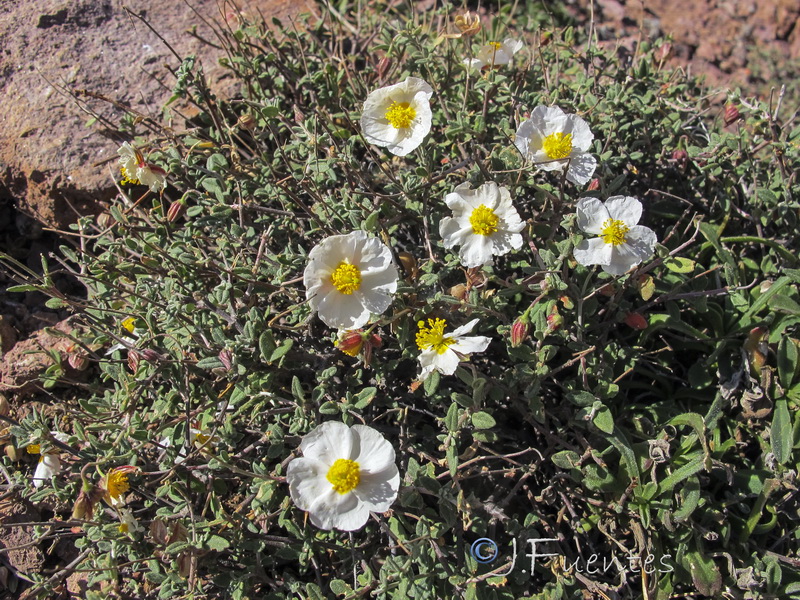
[64, 61]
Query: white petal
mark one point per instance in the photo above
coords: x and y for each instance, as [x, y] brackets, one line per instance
[593, 252]
[343, 311]
[342, 511]
[377, 130]
[581, 134]
[373, 452]
[447, 362]
[549, 119]
[307, 481]
[625, 209]
[453, 233]
[328, 442]
[639, 244]
[504, 241]
[591, 215]
[476, 250]
[473, 63]
[468, 345]
[528, 138]
[512, 46]
[49, 465]
[415, 85]
[464, 329]
[155, 181]
[377, 491]
[581, 168]
[374, 302]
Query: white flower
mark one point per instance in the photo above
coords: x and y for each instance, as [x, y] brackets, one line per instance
[127, 522]
[136, 170]
[398, 117]
[442, 352]
[553, 140]
[49, 463]
[622, 243]
[344, 474]
[494, 54]
[484, 223]
[349, 277]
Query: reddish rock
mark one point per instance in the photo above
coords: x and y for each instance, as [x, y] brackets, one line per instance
[24, 558]
[51, 162]
[27, 360]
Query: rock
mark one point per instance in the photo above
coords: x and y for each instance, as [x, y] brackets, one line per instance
[22, 366]
[51, 162]
[8, 335]
[26, 560]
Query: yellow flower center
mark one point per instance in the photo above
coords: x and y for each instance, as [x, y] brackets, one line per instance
[557, 145]
[495, 45]
[432, 336]
[201, 438]
[128, 177]
[34, 449]
[123, 528]
[129, 324]
[344, 475]
[346, 278]
[117, 484]
[400, 115]
[614, 232]
[483, 220]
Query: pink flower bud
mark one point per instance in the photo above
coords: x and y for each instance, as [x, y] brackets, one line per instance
[731, 114]
[133, 360]
[176, 211]
[520, 330]
[594, 184]
[554, 319]
[636, 321]
[351, 342]
[226, 358]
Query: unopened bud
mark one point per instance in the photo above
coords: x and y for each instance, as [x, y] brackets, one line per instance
[681, 157]
[459, 291]
[664, 52]
[350, 342]
[226, 358]
[87, 499]
[77, 360]
[731, 114]
[176, 211]
[133, 361]
[520, 330]
[247, 121]
[594, 184]
[409, 264]
[150, 355]
[567, 302]
[383, 66]
[554, 319]
[105, 220]
[468, 24]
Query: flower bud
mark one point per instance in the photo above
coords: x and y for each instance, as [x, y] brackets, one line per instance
[681, 157]
[567, 302]
[731, 114]
[554, 319]
[133, 361]
[594, 184]
[350, 342]
[468, 24]
[150, 355]
[664, 52]
[176, 211]
[87, 499]
[520, 330]
[77, 360]
[247, 121]
[226, 358]
[409, 265]
[383, 66]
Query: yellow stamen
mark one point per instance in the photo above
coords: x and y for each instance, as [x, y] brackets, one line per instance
[614, 232]
[34, 449]
[495, 45]
[123, 528]
[400, 115]
[557, 145]
[129, 324]
[127, 177]
[483, 220]
[344, 475]
[346, 278]
[117, 484]
[432, 336]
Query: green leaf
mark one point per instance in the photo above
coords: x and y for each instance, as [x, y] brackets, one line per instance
[451, 419]
[623, 446]
[266, 345]
[677, 264]
[365, 396]
[483, 420]
[785, 304]
[212, 362]
[56, 303]
[431, 383]
[604, 420]
[297, 390]
[705, 574]
[693, 466]
[780, 435]
[787, 361]
[566, 459]
[218, 543]
[281, 350]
